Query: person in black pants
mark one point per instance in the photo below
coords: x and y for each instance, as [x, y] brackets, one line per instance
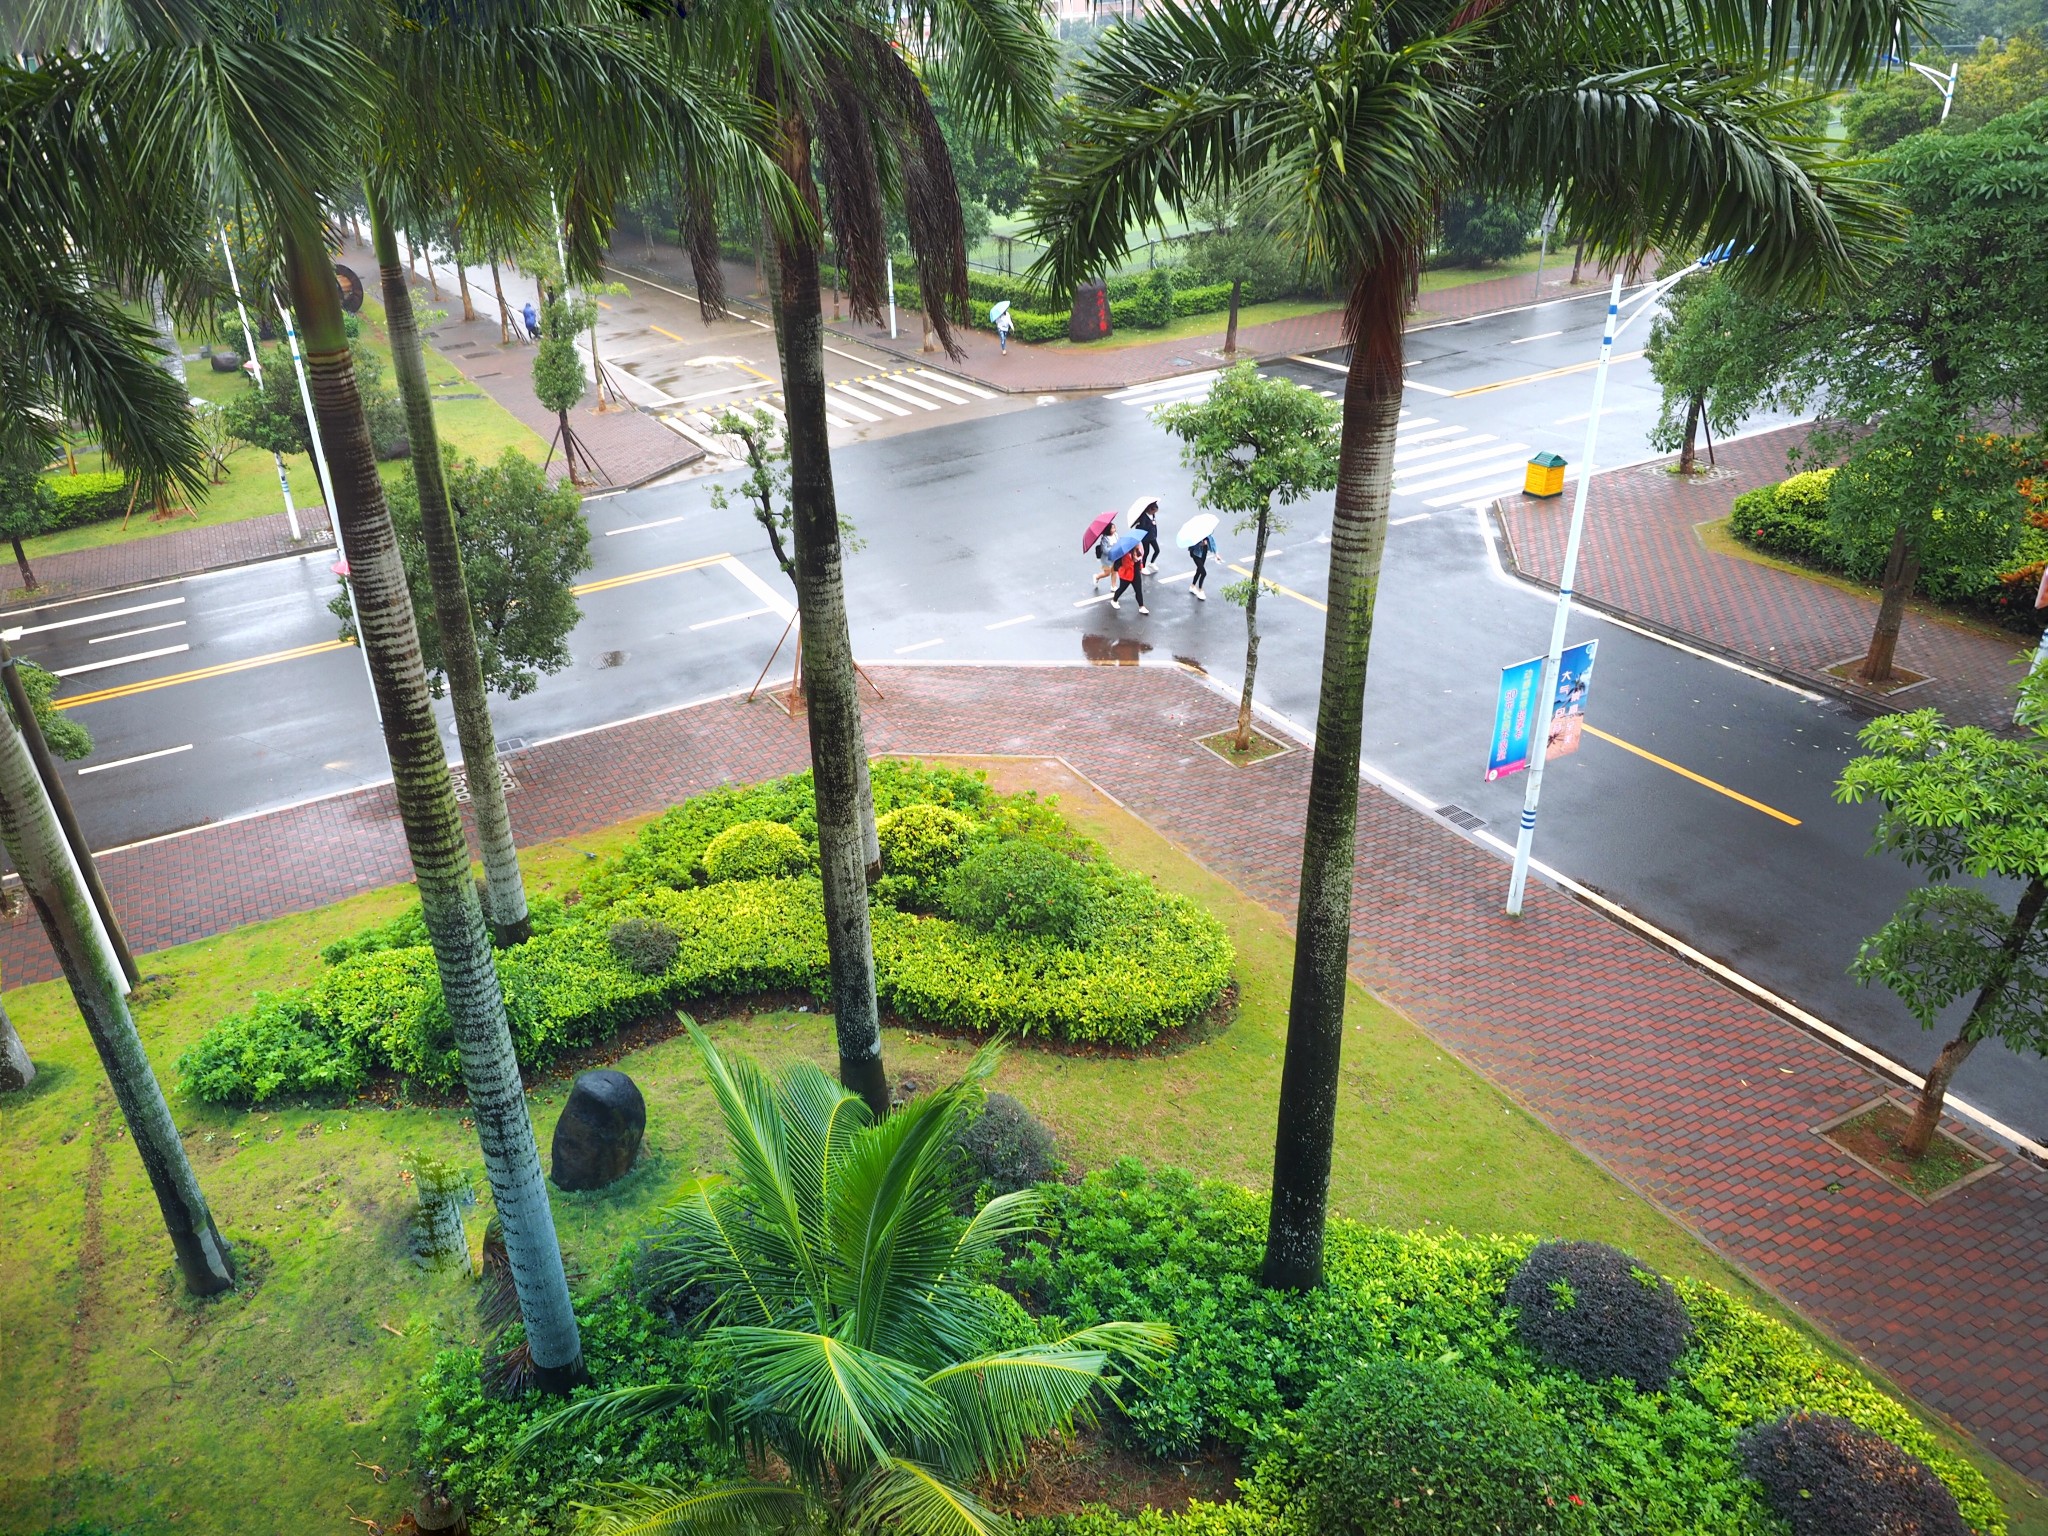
[1199, 553]
[1148, 522]
[1130, 576]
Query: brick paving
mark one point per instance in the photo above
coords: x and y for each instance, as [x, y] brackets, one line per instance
[1696, 1097]
[1642, 557]
[160, 556]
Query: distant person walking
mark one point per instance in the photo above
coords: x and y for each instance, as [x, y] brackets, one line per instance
[530, 317]
[1003, 326]
[1147, 523]
[1200, 553]
[1130, 577]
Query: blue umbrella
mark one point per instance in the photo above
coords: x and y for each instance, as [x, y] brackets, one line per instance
[1125, 543]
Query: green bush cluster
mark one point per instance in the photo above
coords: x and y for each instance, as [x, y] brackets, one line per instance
[1205, 299]
[921, 844]
[1020, 887]
[1789, 518]
[471, 1437]
[86, 498]
[658, 929]
[1142, 301]
[1127, 1243]
[1009, 1147]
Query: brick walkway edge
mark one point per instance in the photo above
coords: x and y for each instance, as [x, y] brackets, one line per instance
[1697, 1098]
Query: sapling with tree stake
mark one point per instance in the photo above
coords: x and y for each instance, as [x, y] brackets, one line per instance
[1254, 442]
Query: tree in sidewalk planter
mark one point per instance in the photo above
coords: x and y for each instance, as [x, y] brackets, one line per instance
[559, 382]
[1252, 443]
[27, 504]
[1710, 352]
[1476, 230]
[846, 84]
[1958, 801]
[866, 1360]
[1357, 122]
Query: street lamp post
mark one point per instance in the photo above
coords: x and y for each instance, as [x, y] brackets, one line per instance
[1546, 692]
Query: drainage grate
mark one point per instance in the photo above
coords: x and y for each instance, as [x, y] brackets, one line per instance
[1461, 818]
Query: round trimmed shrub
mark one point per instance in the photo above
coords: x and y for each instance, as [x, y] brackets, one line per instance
[645, 946]
[756, 850]
[1019, 886]
[1829, 1477]
[921, 844]
[1592, 1310]
[1396, 1448]
[1010, 1147]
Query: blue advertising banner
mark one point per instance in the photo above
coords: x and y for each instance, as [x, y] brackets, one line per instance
[1514, 712]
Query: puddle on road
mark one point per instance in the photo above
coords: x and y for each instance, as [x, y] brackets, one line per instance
[1113, 650]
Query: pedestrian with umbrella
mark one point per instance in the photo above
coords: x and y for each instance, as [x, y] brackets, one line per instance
[999, 317]
[1144, 517]
[1198, 537]
[1124, 552]
[1095, 538]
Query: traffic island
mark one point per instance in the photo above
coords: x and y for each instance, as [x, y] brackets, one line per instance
[1872, 1133]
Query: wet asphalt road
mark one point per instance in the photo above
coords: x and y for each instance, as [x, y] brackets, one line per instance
[971, 553]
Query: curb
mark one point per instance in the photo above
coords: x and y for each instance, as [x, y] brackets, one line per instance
[307, 546]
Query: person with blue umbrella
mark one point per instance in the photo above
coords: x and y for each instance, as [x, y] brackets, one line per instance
[1124, 558]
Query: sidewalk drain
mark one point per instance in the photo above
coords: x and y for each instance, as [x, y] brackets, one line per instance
[1461, 818]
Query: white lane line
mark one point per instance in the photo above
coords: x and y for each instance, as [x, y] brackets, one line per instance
[1412, 517]
[896, 394]
[130, 634]
[118, 661]
[1166, 581]
[1327, 394]
[1181, 397]
[839, 421]
[1566, 421]
[850, 393]
[1403, 457]
[111, 613]
[1185, 381]
[659, 522]
[952, 383]
[1427, 389]
[1489, 456]
[854, 410]
[142, 757]
[732, 618]
[1317, 362]
[1409, 439]
[851, 357]
[1087, 602]
[1473, 477]
[730, 389]
[1007, 623]
[930, 389]
[775, 600]
[922, 645]
[1470, 496]
[1539, 336]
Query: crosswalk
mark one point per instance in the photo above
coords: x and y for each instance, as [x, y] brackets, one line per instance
[850, 404]
[1435, 465]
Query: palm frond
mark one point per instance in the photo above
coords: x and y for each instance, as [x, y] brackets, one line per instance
[724, 1509]
[849, 1404]
[899, 1495]
[707, 1235]
[998, 54]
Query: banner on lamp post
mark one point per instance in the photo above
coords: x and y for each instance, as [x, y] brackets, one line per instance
[1514, 711]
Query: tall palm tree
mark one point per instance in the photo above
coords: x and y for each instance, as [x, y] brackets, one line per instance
[1656, 122]
[859, 1339]
[847, 84]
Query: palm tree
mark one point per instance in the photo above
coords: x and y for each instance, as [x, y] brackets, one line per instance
[1656, 122]
[851, 112]
[846, 1302]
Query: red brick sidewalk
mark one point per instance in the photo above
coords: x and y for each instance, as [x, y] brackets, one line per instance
[1696, 1097]
[161, 556]
[1643, 558]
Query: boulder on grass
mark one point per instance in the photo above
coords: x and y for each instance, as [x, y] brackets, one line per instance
[599, 1133]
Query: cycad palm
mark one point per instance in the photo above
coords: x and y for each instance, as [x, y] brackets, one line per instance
[849, 1307]
[1659, 123]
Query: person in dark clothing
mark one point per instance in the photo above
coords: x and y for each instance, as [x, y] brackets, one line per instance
[1147, 522]
[1200, 553]
[1130, 576]
[532, 319]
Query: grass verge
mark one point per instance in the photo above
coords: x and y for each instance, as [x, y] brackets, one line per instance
[279, 1408]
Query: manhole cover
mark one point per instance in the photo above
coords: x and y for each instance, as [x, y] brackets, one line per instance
[1459, 817]
[611, 659]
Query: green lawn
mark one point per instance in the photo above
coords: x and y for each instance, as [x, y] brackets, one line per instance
[480, 428]
[277, 1409]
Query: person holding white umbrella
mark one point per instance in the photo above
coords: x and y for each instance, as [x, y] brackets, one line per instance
[999, 317]
[1198, 537]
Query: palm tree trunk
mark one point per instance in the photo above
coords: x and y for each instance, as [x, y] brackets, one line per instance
[433, 826]
[838, 749]
[17, 1071]
[1689, 454]
[1251, 633]
[462, 277]
[1322, 927]
[1901, 571]
[29, 829]
[504, 891]
[504, 312]
[28, 577]
[1934, 1093]
[1230, 328]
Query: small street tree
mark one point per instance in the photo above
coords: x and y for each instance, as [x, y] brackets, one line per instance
[1254, 442]
[1711, 352]
[26, 507]
[559, 382]
[1958, 800]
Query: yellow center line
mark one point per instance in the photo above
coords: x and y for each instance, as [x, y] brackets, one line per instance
[1299, 597]
[1687, 773]
[743, 367]
[198, 674]
[1548, 373]
[660, 570]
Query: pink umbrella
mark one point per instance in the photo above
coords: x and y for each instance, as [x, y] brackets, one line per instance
[1095, 529]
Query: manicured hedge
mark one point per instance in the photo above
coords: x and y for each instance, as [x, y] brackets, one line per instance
[1207, 299]
[1126, 1243]
[700, 886]
[85, 498]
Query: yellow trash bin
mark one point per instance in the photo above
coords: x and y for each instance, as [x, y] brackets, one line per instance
[1544, 477]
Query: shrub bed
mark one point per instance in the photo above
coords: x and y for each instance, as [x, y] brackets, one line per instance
[87, 498]
[716, 899]
[1126, 1243]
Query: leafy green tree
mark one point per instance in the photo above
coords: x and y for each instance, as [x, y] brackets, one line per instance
[64, 736]
[271, 415]
[559, 382]
[1885, 111]
[868, 1362]
[1955, 801]
[26, 506]
[1254, 442]
[2001, 79]
[1357, 120]
[765, 488]
[1478, 229]
[1711, 352]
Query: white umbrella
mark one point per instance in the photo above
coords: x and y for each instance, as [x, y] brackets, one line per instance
[997, 310]
[1138, 506]
[1195, 529]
